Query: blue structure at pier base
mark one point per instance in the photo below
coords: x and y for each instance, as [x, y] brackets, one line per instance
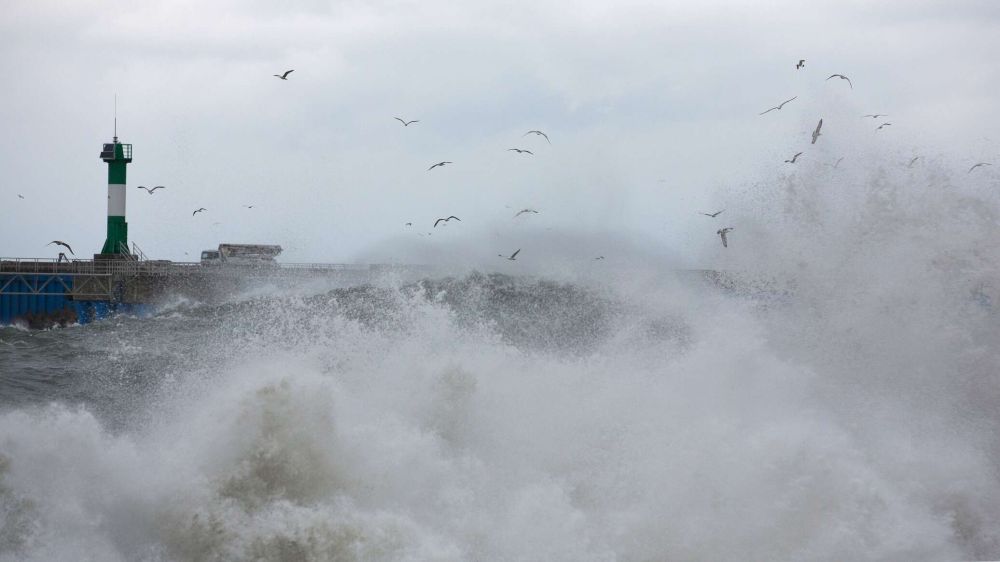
[37, 299]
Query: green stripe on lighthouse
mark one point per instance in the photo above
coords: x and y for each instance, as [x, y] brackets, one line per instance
[117, 235]
[116, 172]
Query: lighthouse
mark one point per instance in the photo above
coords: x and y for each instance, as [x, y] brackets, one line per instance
[117, 155]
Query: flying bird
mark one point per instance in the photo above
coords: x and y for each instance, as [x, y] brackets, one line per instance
[19, 196]
[816, 133]
[285, 75]
[198, 211]
[408, 224]
[879, 128]
[912, 161]
[978, 165]
[446, 220]
[512, 257]
[794, 158]
[837, 163]
[61, 243]
[248, 206]
[713, 215]
[599, 258]
[538, 133]
[438, 164]
[873, 115]
[406, 123]
[779, 106]
[722, 234]
[842, 77]
[802, 62]
[522, 211]
[520, 150]
[150, 190]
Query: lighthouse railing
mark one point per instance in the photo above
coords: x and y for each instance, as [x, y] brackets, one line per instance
[137, 251]
[126, 253]
[131, 254]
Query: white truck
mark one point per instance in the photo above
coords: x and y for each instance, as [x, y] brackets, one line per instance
[246, 255]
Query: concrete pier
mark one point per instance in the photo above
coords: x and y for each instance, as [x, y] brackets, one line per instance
[45, 292]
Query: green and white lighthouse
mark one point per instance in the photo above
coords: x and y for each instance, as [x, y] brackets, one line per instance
[117, 155]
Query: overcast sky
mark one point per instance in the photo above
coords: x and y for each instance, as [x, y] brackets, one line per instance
[651, 108]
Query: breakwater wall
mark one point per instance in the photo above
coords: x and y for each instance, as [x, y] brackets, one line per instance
[40, 293]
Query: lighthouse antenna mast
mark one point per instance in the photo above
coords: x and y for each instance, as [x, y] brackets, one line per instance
[117, 156]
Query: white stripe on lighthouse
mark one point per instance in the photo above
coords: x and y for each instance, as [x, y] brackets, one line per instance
[116, 200]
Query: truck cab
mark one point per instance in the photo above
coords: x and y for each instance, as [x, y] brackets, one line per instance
[211, 257]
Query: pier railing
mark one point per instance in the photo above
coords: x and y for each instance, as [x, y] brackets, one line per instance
[164, 267]
[80, 267]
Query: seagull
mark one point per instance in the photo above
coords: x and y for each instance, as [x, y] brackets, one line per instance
[150, 190]
[978, 165]
[912, 161]
[522, 211]
[248, 206]
[512, 257]
[198, 211]
[446, 220]
[713, 215]
[406, 123]
[285, 75]
[842, 77]
[438, 164]
[882, 125]
[837, 163]
[816, 133]
[873, 115]
[520, 150]
[408, 224]
[538, 133]
[722, 233]
[61, 243]
[792, 161]
[19, 196]
[599, 258]
[802, 62]
[779, 106]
